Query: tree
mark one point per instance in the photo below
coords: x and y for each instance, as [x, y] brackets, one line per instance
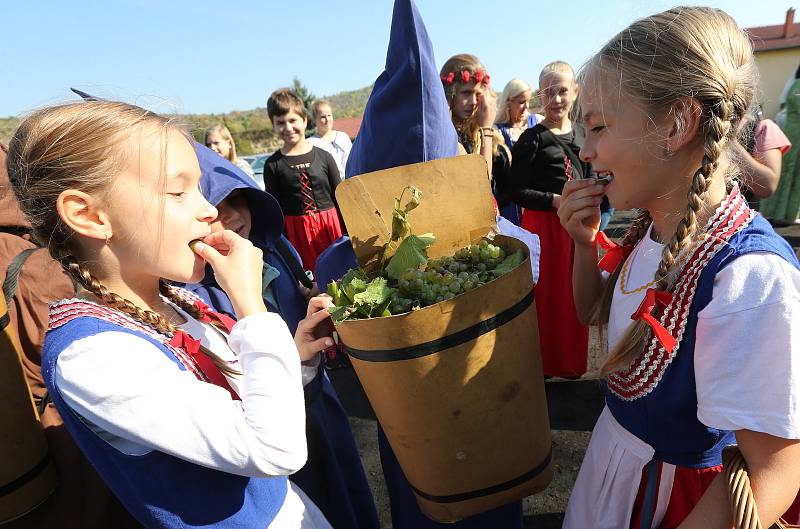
[308, 101]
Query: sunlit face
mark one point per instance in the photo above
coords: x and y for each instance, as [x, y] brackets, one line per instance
[465, 100]
[291, 127]
[517, 106]
[218, 144]
[323, 119]
[234, 215]
[557, 92]
[155, 216]
[624, 140]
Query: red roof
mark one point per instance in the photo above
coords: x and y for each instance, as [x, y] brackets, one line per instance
[786, 35]
[349, 126]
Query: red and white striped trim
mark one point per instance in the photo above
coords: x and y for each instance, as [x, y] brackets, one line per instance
[644, 374]
[66, 310]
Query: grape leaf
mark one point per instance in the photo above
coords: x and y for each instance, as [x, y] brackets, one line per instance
[336, 293]
[338, 313]
[375, 294]
[412, 253]
[509, 263]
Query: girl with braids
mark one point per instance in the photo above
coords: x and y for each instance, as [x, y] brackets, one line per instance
[191, 418]
[711, 356]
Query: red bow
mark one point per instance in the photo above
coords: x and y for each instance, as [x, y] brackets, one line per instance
[615, 253]
[192, 347]
[644, 312]
[209, 316]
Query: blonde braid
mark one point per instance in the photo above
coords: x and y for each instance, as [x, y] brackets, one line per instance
[84, 278]
[717, 129]
[150, 318]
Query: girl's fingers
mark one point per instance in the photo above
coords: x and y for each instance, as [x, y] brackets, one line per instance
[318, 303]
[314, 319]
[208, 253]
[225, 238]
[587, 185]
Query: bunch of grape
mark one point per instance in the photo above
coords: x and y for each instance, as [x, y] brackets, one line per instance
[445, 278]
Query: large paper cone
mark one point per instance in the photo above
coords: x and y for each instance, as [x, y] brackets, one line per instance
[27, 476]
[457, 386]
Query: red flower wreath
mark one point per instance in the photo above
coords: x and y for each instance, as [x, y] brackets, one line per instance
[479, 77]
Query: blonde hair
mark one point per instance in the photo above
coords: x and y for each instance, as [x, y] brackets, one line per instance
[685, 52]
[557, 67]
[513, 88]
[80, 146]
[469, 127]
[222, 130]
[321, 103]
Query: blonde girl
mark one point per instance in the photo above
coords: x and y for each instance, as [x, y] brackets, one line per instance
[192, 419]
[513, 117]
[711, 356]
[218, 138]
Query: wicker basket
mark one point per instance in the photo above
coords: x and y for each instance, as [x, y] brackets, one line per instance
[743, 505]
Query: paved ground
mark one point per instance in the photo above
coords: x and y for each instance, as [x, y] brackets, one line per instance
[573, 405]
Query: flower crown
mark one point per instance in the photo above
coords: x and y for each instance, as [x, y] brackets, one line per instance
[479, 77]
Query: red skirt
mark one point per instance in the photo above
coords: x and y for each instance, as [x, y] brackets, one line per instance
[564, 340]
[688, 487]
[312, 233]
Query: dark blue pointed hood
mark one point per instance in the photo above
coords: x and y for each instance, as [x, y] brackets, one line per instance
[407, 119]
[219, 179]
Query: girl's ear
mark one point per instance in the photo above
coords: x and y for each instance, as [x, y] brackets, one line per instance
[80, 212]
[687, 119]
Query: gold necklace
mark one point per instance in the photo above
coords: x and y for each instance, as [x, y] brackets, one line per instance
[623, 275]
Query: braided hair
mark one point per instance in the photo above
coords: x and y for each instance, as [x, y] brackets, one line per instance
[686, 52]
[78, 146]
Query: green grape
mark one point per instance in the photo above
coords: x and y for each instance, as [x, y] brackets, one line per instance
[486, 254]
[468, 285]
[449, 295]
[439, 298]
[455, 286]
[481, 267]
[417, 283]
[463, 276]
[463, 267]
[447, 278]
[430, 275]
[454, 267]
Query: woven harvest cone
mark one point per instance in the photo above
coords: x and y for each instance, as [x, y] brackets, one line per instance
[740, 495]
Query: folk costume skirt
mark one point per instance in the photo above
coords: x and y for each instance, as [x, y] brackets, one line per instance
[312, 233]
[621, 485]
[564, 340]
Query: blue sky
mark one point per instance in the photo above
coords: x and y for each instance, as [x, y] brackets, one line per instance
[215, 56]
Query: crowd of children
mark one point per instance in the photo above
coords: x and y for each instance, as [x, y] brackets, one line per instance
[183, 342]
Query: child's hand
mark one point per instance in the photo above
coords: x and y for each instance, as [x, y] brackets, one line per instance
[313, 333]
[580, 210]
[238, 268]
[487, 108]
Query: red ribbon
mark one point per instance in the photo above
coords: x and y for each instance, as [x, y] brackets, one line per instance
[192, 347]
[209, 316]
[615, 253]
[644, 312]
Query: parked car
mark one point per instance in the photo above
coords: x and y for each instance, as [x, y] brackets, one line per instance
[257, 161]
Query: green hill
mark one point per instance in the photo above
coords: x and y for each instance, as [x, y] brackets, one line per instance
[251, 129]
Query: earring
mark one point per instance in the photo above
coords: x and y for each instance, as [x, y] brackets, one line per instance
[668, 151]
[108, 238]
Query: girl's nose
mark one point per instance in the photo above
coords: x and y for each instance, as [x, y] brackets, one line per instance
[208, 213]
[586, 153]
